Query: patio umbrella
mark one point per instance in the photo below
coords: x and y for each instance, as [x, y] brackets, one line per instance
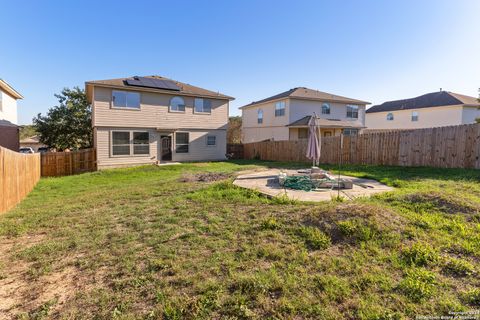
[313, 148]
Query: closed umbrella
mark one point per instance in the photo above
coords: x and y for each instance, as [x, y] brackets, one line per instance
[313, 147]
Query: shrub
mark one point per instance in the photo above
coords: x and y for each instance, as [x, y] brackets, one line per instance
[420, 254]
[418, 284]
[459, 267]
[472, 297]
[314, 238]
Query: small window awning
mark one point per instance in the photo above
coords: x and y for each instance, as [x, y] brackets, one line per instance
[326, 123]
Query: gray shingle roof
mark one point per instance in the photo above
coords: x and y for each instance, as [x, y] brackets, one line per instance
[326, 123]
[434, 99]
[308, 94]
[184, 87]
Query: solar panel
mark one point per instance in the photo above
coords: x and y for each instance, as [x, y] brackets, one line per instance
[153, 83]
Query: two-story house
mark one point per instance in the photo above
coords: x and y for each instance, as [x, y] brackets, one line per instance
[285, 116]
[435, 109]
[144, 120]
[9, 130]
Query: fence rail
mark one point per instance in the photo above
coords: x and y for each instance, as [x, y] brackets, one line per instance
[443, 147]
[55, 164]
[19, 173]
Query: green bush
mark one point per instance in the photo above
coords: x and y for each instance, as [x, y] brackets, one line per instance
[314, 238]
[420, 254]
[418, 284]
[459, 267]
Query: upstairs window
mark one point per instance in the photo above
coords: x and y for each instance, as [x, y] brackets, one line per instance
[325, 108]
[182, 142]
[260, 116]
[203, 105]
[352, 112]
[389, 116]
[177, 104]
[414, 116]
[126, 99]
[280, 109]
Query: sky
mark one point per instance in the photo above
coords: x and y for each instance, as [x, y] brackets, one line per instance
[371, 50]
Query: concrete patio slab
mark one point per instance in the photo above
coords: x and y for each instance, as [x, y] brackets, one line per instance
[266, 182]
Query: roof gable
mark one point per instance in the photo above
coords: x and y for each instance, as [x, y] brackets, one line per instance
[434, 99]
[8, 89]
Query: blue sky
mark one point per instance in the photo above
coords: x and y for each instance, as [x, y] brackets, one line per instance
[370, 50]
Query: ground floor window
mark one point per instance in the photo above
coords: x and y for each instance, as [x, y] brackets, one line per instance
[211, 140]
[130, 143]
[181, 142]
[302, 133]
[350, 132]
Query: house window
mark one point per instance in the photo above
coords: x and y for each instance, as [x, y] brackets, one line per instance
[177, 104]
[203, 105]
[128, 143]
[414, 116]
[211, 140]
[181, 142]
[352, 112]
[260, 116]
[280, 109]
[302, 133]
[389, 116]
[325, 108]
[126, 99]
[140, 143]
[350, 132]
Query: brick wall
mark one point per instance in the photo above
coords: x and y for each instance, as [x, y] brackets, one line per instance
[9, 137]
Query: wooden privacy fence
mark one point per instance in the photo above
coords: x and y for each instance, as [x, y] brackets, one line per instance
[235, 150]
[19, 173]
[443, 147]
[56, 164]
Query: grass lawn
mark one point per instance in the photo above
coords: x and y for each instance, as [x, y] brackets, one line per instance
[143, 243]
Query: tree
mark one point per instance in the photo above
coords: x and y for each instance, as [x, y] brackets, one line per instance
[234, 132]
[68, 125]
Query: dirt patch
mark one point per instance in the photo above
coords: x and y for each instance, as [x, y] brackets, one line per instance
[204, 177]
[442, 203]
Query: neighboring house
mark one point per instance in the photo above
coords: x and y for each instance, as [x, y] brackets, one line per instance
[436, 109]
[32, 142]
[9, 130]
[142, 120]
[285, 116]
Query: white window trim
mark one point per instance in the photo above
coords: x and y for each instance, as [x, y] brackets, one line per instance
[202, 112]
[112, 105]
[284, 108]
[182, 144]
[131, 154]
[258, 118]
[329, 108]
[177, 111]
[416, 116]
[206, 140]
[351, 106]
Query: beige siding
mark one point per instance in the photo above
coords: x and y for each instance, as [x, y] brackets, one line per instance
[198, 149]
[338, 111]
[275, 128]
[427, 118]
[154, 113]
